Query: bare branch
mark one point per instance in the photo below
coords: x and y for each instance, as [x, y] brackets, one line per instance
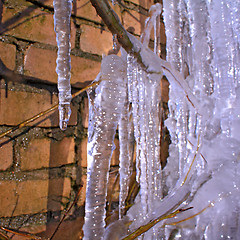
[113, 23]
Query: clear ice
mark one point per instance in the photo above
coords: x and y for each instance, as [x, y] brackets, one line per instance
[62, 15]
[203, 166]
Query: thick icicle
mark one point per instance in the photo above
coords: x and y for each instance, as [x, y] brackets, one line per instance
[106, 103]
[62, 14]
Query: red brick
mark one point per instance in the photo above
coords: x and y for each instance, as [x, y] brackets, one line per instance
[133, 21]
[82, 195]
[85, 113]
[83, 69]
[43, 153]
[28, 105]
[41, 63]
[95, 40]
[86, 10]
[59, 193]
[34, 25]
[6, 154]
[7, 53]
[31, 196]
[34, 229]
[83, 153]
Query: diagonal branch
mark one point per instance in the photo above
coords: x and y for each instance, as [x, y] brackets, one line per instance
[113, 23]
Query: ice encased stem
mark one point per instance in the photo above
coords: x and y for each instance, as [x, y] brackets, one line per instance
[62, 15]
[105, 110]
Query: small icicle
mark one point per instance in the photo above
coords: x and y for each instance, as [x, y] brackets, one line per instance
[153, 22]
[62, 14]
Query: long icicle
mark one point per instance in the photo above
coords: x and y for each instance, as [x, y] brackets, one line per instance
[62, 14]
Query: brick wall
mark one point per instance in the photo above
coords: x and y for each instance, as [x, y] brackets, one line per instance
[42, 167]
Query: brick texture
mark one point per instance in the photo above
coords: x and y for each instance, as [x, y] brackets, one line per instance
[88, 41]
[41, 63]
[6, 154]
[32, 24]
[7, 54]
[20, 106]
[44, 153]
[32, 196]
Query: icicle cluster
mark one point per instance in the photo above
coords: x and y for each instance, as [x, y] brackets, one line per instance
[203, 168]
[62, 14]
[202, 45]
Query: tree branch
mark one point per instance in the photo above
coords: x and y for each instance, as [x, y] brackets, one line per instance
[113, 23]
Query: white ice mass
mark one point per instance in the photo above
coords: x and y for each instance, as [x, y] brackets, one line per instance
[203, 167]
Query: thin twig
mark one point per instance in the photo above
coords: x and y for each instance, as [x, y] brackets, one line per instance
[188, 218]
[19, 233]
[194, 158]
[66, 213]
[149, 225]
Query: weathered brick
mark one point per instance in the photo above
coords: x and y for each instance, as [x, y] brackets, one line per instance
[88, 41]
[58, 193]
[43, 153]
[6, 154]
[32, 24]
[85, 9]
[32, 196]
[41, 63]
[83, 69]
[85, 113]
[7, 53]
[34, 229]
[82, 195]
[132, 20]
[27, 105]
[83, 153]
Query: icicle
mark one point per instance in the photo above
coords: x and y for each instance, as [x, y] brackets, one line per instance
[200, 27]
[126, 142]
[62, 14]
[223, 45]
[153, 22]
[133, 93]
[173, 33]
[106, 104]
